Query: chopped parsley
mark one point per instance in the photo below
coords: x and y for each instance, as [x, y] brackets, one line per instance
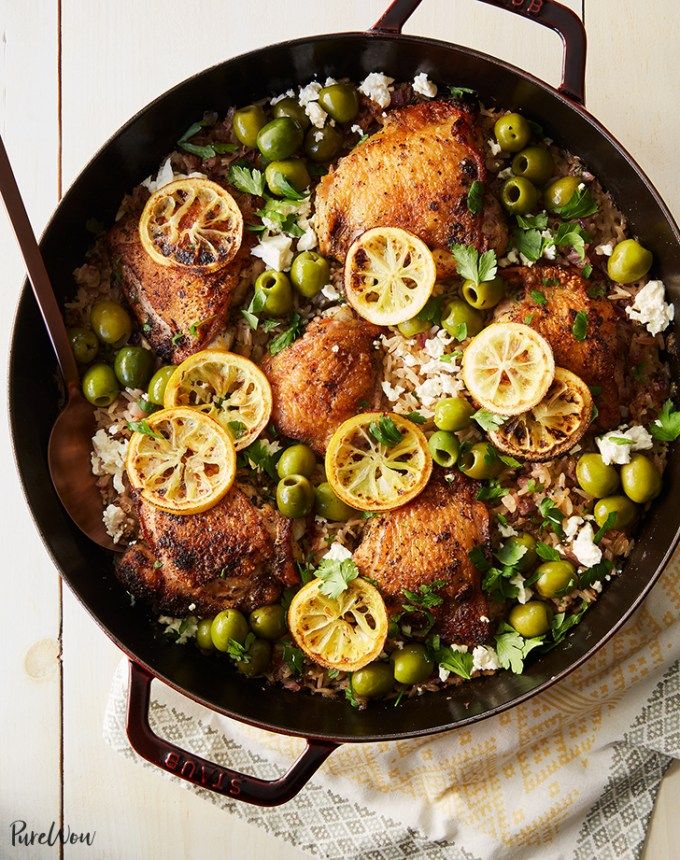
[528, 319]
[432, 311]
[239, 652]
[336, 575]
[458, 662]
[246, 180]
[475, 198]
[513, 649]
[293, 657]
[552, 516]
[580, 327]
[284, 340]
[666, 427]
[582, 204]
[177, 338]
[546, 552]
[539, 297]
[256, 306]
[488, 421]
[419, 604]
[595, 573]
[284, 188]
[259, 457]
[461, 92]
[472, 266]
[490, 491]
[532, 222]
[596, 291]
[350, 694]
[385, 431]
[236, 428]
[143, 427]
[416, 418]
[460, 332]
[563, 623]
[209, 150]
[587, 270]
[572, 235]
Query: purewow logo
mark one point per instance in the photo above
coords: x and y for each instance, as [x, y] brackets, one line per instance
[21, 836]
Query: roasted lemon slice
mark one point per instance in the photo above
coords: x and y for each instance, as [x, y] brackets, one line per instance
[181, 461]
[225, 386]
[551, 427]
[508, 368]
[377, 461]
[191, 222]
[389, 275]
[344, 632]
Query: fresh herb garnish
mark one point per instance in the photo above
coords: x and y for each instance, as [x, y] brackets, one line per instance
[460, 92]
[256, 306]
[488, 421]
[460, 332]
[336, 575]
[284, 340]
[596, 291]
[472, 266]
[259, 457]
[490, 491]
[562, 623]
[595, 573]
[511, 553]
[513, 649]
[580, 327]
[475, 198]
[143, 427]
[293, 657]
[458, 662]
[581, 205]
[246, 180]
[177, 338]
[666, 427]
[432, 311]
[546, 552]
[209, 150]
[146, 406]
[350, 695]
[236, 428]
[285, 189]
[528, 319]
[416, 417]
[509, 461]
[385, 431]
[572, 235]
[420, 603]
[552, 516]
[532, 222]
[539, 297]
[157, 565]
[587, 271]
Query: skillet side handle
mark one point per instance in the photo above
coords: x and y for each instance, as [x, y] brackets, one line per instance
[546, 12]
[205, 774]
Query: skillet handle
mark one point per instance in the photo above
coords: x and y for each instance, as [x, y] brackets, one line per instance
[546, 12]
[205, 774]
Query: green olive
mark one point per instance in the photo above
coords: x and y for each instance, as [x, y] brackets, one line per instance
[531, 619]
[560, 192]
[100, 385]
[328, 505]
[535, 164]
[528, 560]
[340, 101]
[269, 622]
[411, 664]
[323, 144]
[640, 479]
[297, 460]
[414, 326]
[292, 108]
[226, 625]
[513, 132]
[84, 344]
[444, 448]
[625, 510]
[555, 578]
[485, 295]
[133, 366]
[453, 413]
[373, 681]
[294, 496]
[156, 390]
[480, 462]
[460, 320]
[247, 124]
[595, 477]
[519, 196]
[293, 170]
[629, 262]
[258, 658]
[110, 322]
[310, 272]
[204, 635]
[279, 138]
[276, 291]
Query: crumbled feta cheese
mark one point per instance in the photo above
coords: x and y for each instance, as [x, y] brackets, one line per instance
[188, 627]
[192, 607]
[524, 594]
[597, 586]
[108, 458]
[330, 82]
[317, 116]
[357, 129]
[505, 174]
[511, 258]
[423, 85]
[275, 252]
[506, 531]
[392, 392]
[443, 674]
[550, 250]
[619, 452]
[310, 93]
[287, 95]
[586, 551]
[165, 175]
[114, 522]
[571, 526]
[337, 552]
[651, 309]
[484, 659]
[329, 292]
[435, 346]
[605, 250]
[494, 146]
[377, 87]
[308, 240]
[484, 619]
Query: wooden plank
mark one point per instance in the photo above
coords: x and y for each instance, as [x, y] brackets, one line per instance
[30, 719]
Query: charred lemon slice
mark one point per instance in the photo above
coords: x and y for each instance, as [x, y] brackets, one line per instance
[508, 368]
[377, 461]
[344, 632]
[181, 461]
[225, 386]
[389, 275]
[191, 222]
[551, 427]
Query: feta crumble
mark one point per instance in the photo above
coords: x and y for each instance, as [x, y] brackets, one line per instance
[506, 531]
[524, 594]
[494, 146]
[651, 309]
[377, 87]
[308, 240]
[619, 452]
[571, 526]
[484, 659]
[187, 626]
[275, 252]
[329, 292]
[357, 129]
[338, 552]
[317, 115]
[423, 85]
[287, 95]
[392, 392]
[605, 250]
[108, 458]
[506, 173]
[114, 522]
[166, 175]
[585, 549]
[310, 93]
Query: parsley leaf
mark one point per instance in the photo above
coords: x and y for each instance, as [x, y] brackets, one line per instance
[509, 461]
[587, 271]
[580, 326]
[513, 649]
[595, 573]
[546, 552]
[666, 428]
[539, 297]
[257, 303]
[572, 235]
[552, 516]
[472, 266]
[478, 558]
[284, 340]
[511, 553]
[177, 338]
[562, 623]
[336, 575]
[460, 332]
[432, 311]
[533, 222]
[143, 427]
[293, 657]
[248, 181]
[350, 694]
[458, 662]
[284, 188]
[475, 198]
[488, 421]
[239, 652]
[460, 92]
[416, 417]
[582, 204]
[490, 491]
[529, 243]
[236, 428]
[419, 603]
[259, 457]
[385, 431]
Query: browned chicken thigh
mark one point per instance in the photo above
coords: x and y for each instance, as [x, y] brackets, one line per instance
[325, 377]
[415, 173]
[233, 555]
[181, 310]
[600, 357]
[429, 539]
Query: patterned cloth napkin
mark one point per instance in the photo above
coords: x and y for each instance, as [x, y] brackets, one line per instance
[573, 772]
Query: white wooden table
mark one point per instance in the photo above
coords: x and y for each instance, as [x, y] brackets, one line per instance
[71, 72]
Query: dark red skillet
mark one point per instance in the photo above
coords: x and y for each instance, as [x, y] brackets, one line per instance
[133, 153]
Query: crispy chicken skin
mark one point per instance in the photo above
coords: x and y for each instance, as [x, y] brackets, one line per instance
[414, 173]
[325, 377]
[171, 300]
[599, 359]
[429, 539]
[180, 560]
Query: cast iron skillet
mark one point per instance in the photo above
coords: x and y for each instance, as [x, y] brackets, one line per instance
[133, 153]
